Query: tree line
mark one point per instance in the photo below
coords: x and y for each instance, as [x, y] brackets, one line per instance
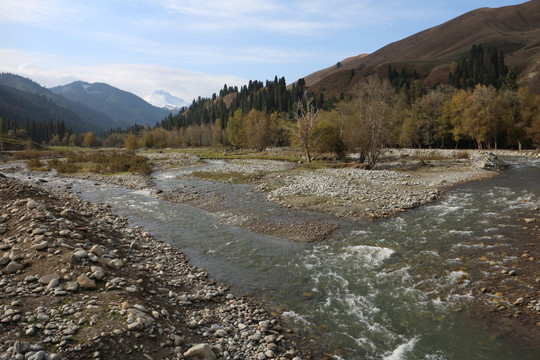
[374, 116]
[40, 132]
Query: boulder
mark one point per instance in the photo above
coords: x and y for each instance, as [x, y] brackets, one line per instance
[200, 352]
[487, 161]
[86, 283]
[138, 320]
[46, 279]
[32, 204]
[13, 267]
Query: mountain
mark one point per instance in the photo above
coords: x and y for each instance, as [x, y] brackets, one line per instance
[164, 100]
[123, 107]
[513, 29]
[22, 98]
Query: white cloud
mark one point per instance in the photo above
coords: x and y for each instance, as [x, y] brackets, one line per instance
[305, 17]
[43, 13]
[139, 79]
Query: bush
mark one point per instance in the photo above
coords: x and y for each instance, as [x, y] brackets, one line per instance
[28, 154]
[34, 164]
[463, 155]
[63, 167]
[102, 163]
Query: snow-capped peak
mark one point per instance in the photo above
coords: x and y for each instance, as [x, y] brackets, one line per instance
[163, 99]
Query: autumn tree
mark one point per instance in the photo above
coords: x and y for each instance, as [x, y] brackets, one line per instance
[131, 143]
[147, 139]
[235, 129]
[533, 131]
[217, 133]
[519, 109]
[1, 134]
[258, 130]
[329, 132]
[160, 137]
[89, 139]
[305, 118]
[483, 122]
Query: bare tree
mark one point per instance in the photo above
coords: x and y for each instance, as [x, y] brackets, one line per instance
[305, 119]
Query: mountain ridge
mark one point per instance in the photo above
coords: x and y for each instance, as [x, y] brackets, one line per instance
[123, 107]
[513, 29]
[41, 104]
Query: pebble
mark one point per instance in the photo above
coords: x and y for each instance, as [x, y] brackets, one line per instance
[112, 274]
[85, 282]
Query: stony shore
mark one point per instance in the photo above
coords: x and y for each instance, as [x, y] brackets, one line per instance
[401, 182]
[78, 282]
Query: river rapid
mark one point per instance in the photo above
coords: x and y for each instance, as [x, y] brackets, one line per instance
[390, 289]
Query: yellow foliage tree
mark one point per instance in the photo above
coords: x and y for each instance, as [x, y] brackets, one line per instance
[131, 143]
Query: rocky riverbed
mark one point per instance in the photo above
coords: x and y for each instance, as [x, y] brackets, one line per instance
[506, 284]
[404, 180]
[79, 282]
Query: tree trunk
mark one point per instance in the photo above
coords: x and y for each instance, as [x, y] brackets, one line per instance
[308, 156]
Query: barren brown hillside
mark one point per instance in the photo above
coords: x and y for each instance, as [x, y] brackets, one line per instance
[513, 29]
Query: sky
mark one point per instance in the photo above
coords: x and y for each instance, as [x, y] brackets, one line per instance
[192, 48]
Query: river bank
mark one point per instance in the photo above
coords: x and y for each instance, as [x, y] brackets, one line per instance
[79, 282]
[501, 288]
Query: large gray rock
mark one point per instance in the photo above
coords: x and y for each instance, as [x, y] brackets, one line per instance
[487, 161]
[140, 316]
[86, 283]
[46, 279]
[31, 204]
[13, 267]
[200, 352]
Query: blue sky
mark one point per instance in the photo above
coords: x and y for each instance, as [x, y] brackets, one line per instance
[191, 48]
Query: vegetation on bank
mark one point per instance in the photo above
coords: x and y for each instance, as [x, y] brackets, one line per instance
[99, 162]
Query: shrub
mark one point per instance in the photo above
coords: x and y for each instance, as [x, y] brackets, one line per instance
[34, 164]
[463, 155]
[63, 167]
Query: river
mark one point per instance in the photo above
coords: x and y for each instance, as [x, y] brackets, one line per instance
[390, 289]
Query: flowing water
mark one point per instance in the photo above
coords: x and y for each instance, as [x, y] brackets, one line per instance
[382, 290]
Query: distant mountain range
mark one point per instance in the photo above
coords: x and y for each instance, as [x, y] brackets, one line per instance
[82, 106]
[124, 108]
[164, 100]
[513, 29]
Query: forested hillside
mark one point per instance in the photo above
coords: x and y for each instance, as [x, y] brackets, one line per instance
[23, 99]
[268, 98]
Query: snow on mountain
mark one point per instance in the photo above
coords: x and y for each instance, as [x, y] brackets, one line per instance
[163, 99]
